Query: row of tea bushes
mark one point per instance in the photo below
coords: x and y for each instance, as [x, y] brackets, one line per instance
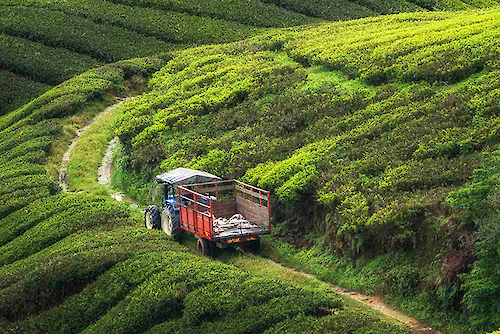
[102, 41]
[165, 25]
[40, 62]
[251, 12]
[16, 91]
[405, 47]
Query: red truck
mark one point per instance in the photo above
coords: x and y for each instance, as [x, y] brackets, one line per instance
[220, 213]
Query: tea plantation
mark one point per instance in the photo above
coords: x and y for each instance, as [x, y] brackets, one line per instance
[369, 134]
[75, 263]
[377, 136]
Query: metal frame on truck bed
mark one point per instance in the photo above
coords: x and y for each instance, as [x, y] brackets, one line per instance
[225, 213]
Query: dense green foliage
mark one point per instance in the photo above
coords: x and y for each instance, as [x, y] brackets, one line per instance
[103, 41]
[372, 139]
[135, 28]
[251, 12]
[16, 91]
[72, 263]
[365, 126]
[22, 57]
[479, 199]
[169, 26]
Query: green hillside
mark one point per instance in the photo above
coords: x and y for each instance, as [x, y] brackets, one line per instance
[378, 138]
[369, 134]
[123, 29]
[72, 263]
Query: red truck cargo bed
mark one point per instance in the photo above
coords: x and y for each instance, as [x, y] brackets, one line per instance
[202, 205]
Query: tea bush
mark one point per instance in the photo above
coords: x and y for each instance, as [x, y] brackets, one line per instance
[250, 12]
[16, 91]
[105, 42]
[11, 140]
[22, 57]
[390, 7]
[165, 25]
[404, 54]
[344, 321]
[89, 284]
[52, 229]
[18, 222]
[339, 10]
[20, 198]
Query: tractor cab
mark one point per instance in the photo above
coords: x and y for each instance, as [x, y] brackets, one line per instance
[165, 195]
[165, 192]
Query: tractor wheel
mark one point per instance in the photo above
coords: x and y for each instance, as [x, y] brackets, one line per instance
[204, 247]
[171, 224]
[152, 219]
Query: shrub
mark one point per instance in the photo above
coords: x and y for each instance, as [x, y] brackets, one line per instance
[12, 139]
[247, 12]
[103, 41]
[16, 91]
[20, 198]
[175, 27]
[339, 10]
[404, 281]
[22, 57]
[100, 211]
[86, 282]
[16, 223]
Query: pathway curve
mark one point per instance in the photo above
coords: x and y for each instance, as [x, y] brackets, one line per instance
[374, 303]
[63, 181]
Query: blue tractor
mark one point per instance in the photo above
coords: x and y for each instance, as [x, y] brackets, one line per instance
[167, 218]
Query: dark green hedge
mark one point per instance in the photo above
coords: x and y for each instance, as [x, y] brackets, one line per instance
[101, 41]
[40, 62]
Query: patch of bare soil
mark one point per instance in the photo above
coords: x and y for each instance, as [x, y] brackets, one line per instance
[105, 172]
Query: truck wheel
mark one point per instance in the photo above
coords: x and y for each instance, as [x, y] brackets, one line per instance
[171, 224]
[152, 219]
[204, 247]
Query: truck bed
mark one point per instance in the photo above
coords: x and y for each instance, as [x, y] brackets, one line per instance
[204, 207]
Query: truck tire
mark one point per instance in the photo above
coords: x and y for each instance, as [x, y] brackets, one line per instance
[152, 219]
[204, 247]
[171, 223]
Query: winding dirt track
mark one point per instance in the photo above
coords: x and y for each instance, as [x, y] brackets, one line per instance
[63, 178]
[105, 170]
[373, 303]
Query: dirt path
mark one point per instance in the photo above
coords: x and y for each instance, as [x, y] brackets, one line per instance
[63, 181]
[375, 303]
[105, 171]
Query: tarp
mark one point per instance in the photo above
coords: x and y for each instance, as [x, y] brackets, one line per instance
[181, 176]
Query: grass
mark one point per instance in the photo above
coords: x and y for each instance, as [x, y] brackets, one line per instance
[87, 155]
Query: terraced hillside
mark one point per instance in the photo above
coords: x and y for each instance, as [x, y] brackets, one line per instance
[373, 139]
[75, 262]
[74, 36]
[368, 133]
